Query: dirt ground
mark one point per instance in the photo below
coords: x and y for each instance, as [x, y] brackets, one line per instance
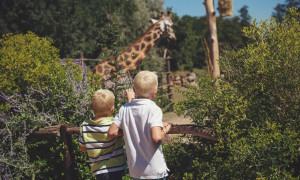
[172, 117]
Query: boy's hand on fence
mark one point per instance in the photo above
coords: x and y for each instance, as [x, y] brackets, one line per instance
[130, 94]
[166, 127]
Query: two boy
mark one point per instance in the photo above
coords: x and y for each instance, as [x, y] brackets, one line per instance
[141, 123]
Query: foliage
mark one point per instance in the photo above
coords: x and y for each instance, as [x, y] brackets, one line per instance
[77, 25]
[188, 51]
[279, 10]
[61, 97]
[27, 60]
[255, 108]
[68, 104]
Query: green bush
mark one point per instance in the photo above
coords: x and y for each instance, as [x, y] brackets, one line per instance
[57, 94]
[255, 108]
[27, 60]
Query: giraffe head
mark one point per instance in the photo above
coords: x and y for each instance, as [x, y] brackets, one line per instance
[166, 24]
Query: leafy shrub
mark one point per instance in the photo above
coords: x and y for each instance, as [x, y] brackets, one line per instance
[27, 60]
[39, 108]
[60, 97]
[255, 108]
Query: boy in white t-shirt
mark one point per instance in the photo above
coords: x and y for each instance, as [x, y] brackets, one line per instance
[143, 129]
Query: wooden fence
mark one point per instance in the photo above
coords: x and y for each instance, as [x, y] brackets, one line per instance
[65, 133]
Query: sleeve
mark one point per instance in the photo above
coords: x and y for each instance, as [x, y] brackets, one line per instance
[155, 117]
[118, 118]
[81, 139]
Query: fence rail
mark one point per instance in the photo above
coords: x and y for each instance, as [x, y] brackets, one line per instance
[65, 133]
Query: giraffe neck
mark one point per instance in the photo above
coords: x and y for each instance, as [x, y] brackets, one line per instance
[137, 51]
[132, 56]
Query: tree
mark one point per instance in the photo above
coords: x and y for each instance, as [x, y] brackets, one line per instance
[254, 111]
[213, 37]
[75, 26]
[186, 52]
[245, 17]
[27, 60]
[280, 9]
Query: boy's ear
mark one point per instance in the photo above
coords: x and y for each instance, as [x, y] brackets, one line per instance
[155, 91]
[112, 109]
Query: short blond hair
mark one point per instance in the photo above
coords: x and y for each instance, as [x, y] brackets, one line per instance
[145, 83]
[102, 102]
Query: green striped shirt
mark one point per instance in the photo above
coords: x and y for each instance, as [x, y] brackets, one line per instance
[105, 153]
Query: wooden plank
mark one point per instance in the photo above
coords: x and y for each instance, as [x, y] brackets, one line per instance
[67, 139]
[194, 130]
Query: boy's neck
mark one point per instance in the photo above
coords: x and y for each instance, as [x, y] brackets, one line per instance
[99, 118]
[151, 97]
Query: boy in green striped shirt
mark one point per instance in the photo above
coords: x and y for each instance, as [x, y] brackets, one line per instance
[105, 153]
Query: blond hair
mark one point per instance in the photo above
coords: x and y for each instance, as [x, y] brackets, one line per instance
[145, 83]
[102, 102]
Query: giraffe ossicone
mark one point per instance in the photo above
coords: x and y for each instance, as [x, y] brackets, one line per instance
[137, 51]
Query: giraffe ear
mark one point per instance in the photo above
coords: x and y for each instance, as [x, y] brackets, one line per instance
[153, 21]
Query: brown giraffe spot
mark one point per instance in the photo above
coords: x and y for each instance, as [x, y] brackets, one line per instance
[106, 66]
[147, 39]
[154, 36]
[126, 56]
[135, 56]
[100, 69]
[157, 28]
[149, 32]
[148, 49]
[122, 64]
[128, 63]
[129, 50]
[136, 47]
[143, 46]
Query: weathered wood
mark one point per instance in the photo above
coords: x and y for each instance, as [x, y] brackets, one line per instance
[194, 130]
[50, 130]
[213, 37]
[67, 139]
[73, 130]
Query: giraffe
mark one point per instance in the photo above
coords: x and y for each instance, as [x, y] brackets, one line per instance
[136, 52]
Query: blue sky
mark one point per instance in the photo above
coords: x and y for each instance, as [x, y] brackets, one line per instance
[259, 9]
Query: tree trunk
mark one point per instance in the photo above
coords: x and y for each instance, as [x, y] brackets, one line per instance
[213, 37]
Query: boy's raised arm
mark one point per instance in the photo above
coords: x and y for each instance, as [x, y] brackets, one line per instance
[130, 94]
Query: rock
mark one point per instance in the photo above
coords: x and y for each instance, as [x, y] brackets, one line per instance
[191, 77]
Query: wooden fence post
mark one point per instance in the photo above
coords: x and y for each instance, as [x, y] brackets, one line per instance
[67, 139]
[169, 78]
[168, 72]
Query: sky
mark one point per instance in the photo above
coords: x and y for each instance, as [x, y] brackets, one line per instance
[259, 9]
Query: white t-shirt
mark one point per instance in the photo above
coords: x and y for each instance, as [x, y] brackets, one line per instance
[145, 158]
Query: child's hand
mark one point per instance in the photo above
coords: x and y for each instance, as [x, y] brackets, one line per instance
[166, 127]
[130, 94]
